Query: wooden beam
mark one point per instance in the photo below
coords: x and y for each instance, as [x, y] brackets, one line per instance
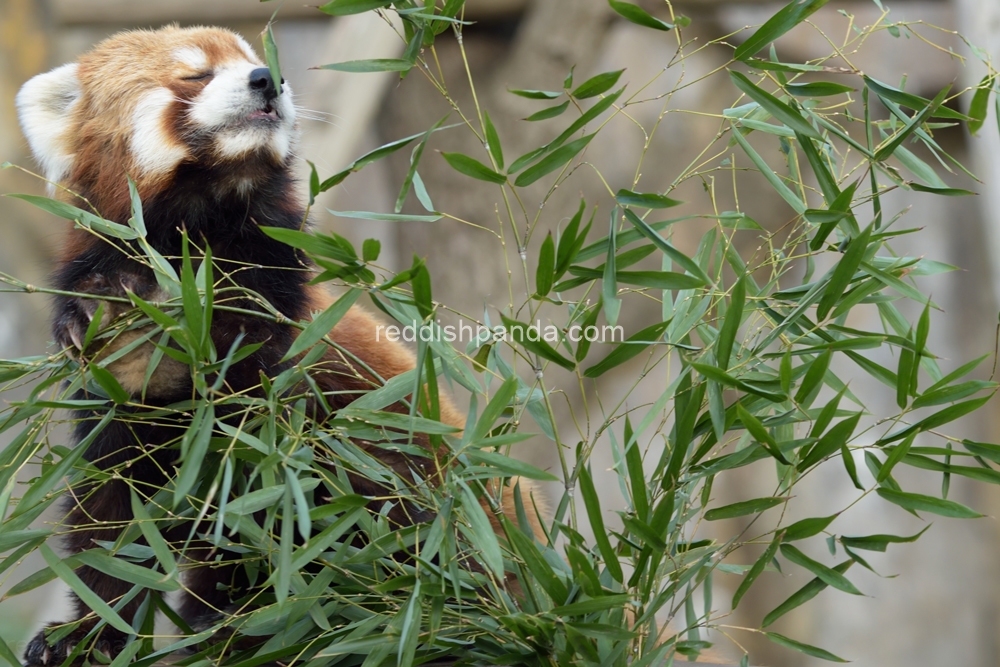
[131, 12]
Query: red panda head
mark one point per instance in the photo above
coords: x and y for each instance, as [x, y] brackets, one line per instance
[150, 103]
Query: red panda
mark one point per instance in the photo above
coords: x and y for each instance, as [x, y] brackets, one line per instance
[195, 119]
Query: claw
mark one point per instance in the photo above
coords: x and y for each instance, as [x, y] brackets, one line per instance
[75, 337]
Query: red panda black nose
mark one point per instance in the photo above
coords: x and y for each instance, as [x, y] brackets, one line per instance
[260, 79]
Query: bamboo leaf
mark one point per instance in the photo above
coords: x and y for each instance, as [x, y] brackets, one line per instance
[628, 349]
[545, 272]
[755, 506]
[464, 164]
[787, 18]
[803, 648]
[780, 110]
[803, 595]
[596, 85]
[920, 503]
[756, 569]
[89, 598]
[345, 7]
[322, 324]
[825, 574]
[593, 505]
[553, 161]
[638, 15]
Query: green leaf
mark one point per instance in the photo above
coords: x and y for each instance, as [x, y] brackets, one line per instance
[84, 218]
[322, 324]
[628, 349]
[536, 564]
[109, 383]
[609, 279]
[522, 334]
[370, 65]
[813, 380]
[879, 542]
[345, 7]
[787, 18]
[915, 102]
[373, 156]
[801, 647]
[553, 161]
[779, 186]
[843, 274]
[743, 508]
[592, 606]
[370, 249]
[986, 450]
[152, 534]
[86, 595]
[498, 403]
[464, 164]
[492, 140]
[756, 569]
[545, 272]
[920, 503]
[800, 530]
[817, 89]
[126, 571]
[825, 574]
[510, 466]
[737, 220]
[720, 376]
[676, 255]
[888, 147]
[833, 440]
[412, 178]
[980, 104]
[593, 505]
[665, 280]
[397, 421]
[731, 324]
[596, 85]
[772, 66]
[482, 532]
[389, 217]
[895, 456]
[535, 94]
[760, 434]
[780, 110]
[590, 114]
[803, 595]
[644, 200]
[944, 192]
[639, 16]
[271, 57]
[550, 112]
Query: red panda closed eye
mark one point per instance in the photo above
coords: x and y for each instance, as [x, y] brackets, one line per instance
[194, 117]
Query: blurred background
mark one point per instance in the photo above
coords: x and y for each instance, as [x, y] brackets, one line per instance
[944, 608]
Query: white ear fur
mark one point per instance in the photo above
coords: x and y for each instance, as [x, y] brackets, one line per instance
[43, 107]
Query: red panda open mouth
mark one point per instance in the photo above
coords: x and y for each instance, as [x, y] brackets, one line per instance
[268, 112]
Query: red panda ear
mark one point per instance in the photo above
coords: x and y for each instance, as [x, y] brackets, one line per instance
[44, 106]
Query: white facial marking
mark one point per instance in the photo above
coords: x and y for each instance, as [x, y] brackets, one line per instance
[225, 108]
[44, 105]
[193, 57]
[154, 150]
[247, 50]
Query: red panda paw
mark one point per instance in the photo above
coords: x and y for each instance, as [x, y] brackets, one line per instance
[77, 313]
[40, 653]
